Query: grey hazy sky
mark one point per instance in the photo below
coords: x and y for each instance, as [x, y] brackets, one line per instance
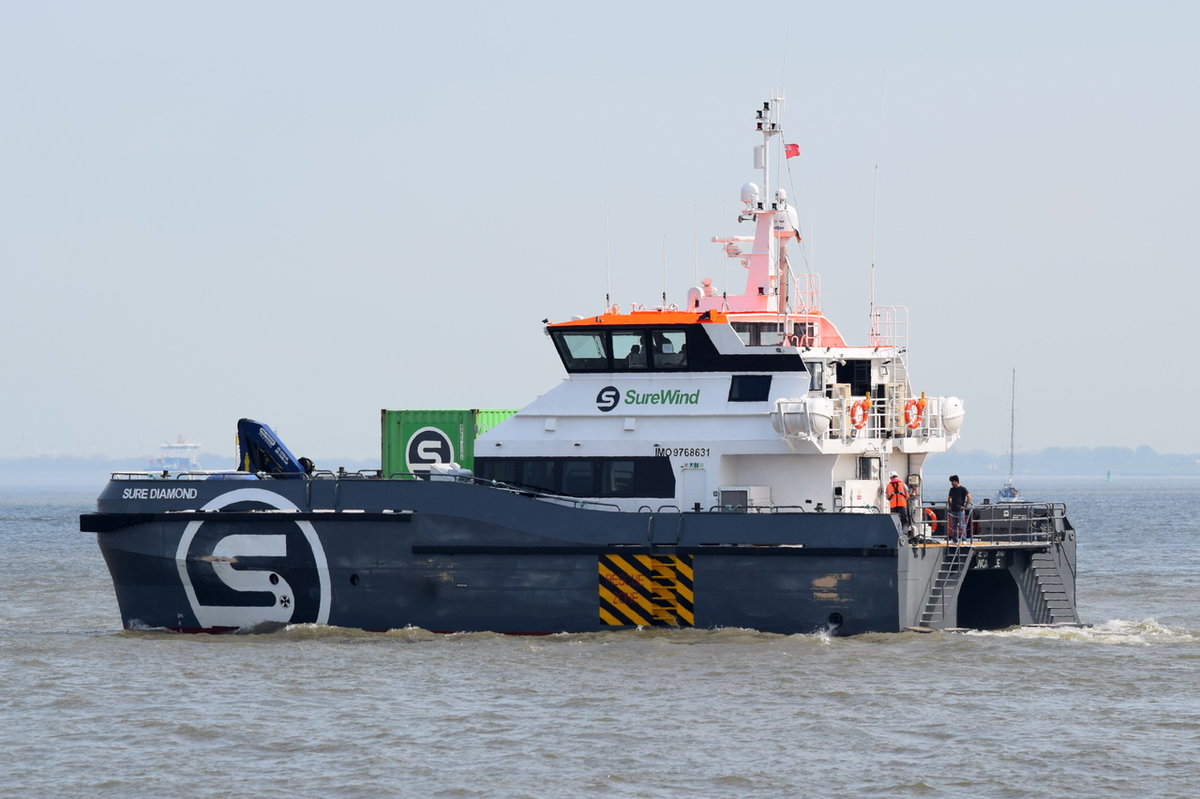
[305, 212]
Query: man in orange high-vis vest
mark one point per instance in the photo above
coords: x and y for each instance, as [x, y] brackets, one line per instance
[897, 496]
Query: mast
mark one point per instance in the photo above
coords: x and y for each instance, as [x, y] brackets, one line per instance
[768, 276]
[872, 313]
[775, 220]
[1012, 425]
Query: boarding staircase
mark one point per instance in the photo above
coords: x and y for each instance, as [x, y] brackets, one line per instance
[945, 585]
[1049, 603]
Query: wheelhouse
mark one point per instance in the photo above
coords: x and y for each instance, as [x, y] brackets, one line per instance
[600, 346]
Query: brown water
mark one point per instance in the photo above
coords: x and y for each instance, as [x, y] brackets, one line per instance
[1108, 711]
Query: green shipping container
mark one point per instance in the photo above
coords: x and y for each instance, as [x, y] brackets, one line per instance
[414, 439]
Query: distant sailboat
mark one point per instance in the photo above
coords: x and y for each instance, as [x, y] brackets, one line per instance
[1009, 492]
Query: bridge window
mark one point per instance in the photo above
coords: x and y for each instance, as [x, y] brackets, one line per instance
[669, 349]
[582, 351]
[630, 351]
[637, 350]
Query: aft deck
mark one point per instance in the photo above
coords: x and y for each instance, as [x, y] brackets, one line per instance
[1014, 566]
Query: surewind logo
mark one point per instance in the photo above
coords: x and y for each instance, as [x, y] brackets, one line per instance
[428, 446]
[667, 396]
[610, 397]
[236, 579]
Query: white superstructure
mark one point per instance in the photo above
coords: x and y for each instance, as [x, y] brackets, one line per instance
[751, 400]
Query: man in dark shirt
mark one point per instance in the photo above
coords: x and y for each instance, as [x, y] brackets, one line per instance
[958, 503]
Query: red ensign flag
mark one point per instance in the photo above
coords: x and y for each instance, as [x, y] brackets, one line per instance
[791, 150]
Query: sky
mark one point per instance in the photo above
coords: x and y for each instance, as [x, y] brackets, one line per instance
[305, 212]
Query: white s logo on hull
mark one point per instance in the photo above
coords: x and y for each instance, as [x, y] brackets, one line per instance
[242, 545]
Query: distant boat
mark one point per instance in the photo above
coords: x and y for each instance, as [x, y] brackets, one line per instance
[1009, 492]
[180, 455]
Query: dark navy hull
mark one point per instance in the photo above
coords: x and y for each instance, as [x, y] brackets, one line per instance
[382, 554]
[219, 555]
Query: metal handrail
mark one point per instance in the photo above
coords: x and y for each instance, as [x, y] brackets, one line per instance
[167, 474]
[1010, 522]
[951, 557]
[859, 509]
[756, 509]
[885, 418]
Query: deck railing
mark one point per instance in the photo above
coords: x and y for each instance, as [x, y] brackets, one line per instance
[1016, 523]
[887, 417]
[1000, 523]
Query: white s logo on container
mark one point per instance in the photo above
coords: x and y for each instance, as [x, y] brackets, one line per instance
[428, 446]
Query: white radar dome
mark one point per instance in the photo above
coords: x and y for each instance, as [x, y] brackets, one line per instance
[952, 414]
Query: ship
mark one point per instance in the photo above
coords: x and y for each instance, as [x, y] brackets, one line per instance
[179, 455]
[718, 462]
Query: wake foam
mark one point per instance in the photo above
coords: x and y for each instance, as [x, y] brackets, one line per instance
[1148, 632]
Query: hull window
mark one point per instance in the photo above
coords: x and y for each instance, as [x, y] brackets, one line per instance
[749, 388]
[583, 477]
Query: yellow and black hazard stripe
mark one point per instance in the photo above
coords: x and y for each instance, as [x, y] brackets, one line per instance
[646, 590]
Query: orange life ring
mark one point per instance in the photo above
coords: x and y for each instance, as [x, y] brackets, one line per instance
[913, 421]
[858, 414]
[932, 518]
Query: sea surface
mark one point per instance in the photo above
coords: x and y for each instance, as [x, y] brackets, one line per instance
[1109, 710]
